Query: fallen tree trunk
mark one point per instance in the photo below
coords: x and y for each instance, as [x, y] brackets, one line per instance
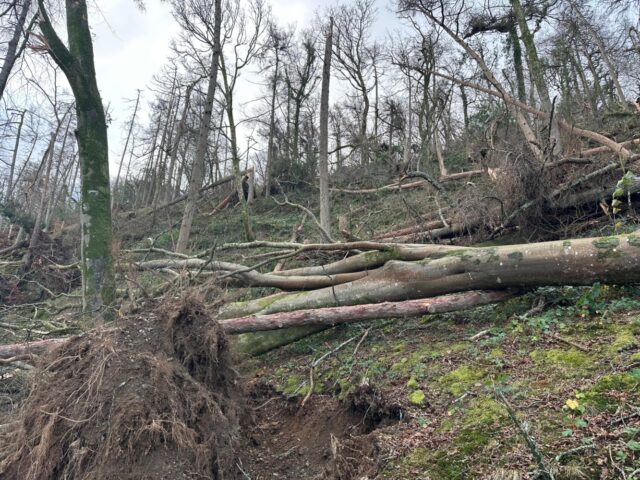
[613, 260]
[181, 198]
[30, 348]
[336, 315]
[318, 319]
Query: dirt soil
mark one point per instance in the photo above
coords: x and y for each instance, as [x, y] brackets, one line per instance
[323, 439]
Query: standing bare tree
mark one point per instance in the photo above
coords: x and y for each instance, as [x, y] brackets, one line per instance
[208, 32]
[323, 161]
[244, 29]
[14, 47]
[355, 58]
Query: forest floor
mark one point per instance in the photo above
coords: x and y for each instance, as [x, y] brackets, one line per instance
[445, 396]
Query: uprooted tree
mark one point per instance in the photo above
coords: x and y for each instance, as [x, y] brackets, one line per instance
[392, 281]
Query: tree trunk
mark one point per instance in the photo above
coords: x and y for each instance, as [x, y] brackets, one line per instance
[323, 160]
[98, 281]
[126, 145]
[12, 53]
[272, 128]
[569, 262]
[9, 191]
[197, 172]
[235, 155]
[332, 316]
[47, 161]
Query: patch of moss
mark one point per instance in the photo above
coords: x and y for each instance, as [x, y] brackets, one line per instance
[417, 398]
[446, 425]
[412, 383]
[606, 242]
[570, 363]
[461, 379]
[597, 396]
[496, 353]
[516, 256]
[292, 385]
[607, 247]
[419, 461]
[623, 341]
[480, 423]
[634, 240]
[399, 347]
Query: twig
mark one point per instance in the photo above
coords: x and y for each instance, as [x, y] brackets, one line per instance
[325, 234]
[310, 391]
[531, 444]
[479, 335]
[17, 358]
[573, 451]
[316, 362]
[558, 338]
[355, 350]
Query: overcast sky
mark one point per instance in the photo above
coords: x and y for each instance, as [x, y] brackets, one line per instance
[132, 45]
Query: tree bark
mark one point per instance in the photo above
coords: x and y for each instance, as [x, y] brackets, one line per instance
[570, 262]
[9, 191]
[332, 316]
[12, 52]
[272, 126]
[76, 61]
[197, 172]
[323, 160]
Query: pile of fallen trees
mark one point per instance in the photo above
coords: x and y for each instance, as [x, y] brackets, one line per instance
[389, 280]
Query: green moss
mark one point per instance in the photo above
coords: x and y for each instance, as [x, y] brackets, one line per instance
[420, 461]
[623, 341]
[602, 394]
[446, 425]
[461, 379]
[417, 398]
[292, 385]
[412, 383]
[480, 423]
[516, 256]
[462, 253]
[401, 365]
[399, 347]
[569, 363]
[634, 240]
[496, 353]
[607, 247]
[484, 412]
[606, 242]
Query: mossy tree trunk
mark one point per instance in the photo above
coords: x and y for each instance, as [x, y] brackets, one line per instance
[570, 262]
[575, 262]
[77, 63]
